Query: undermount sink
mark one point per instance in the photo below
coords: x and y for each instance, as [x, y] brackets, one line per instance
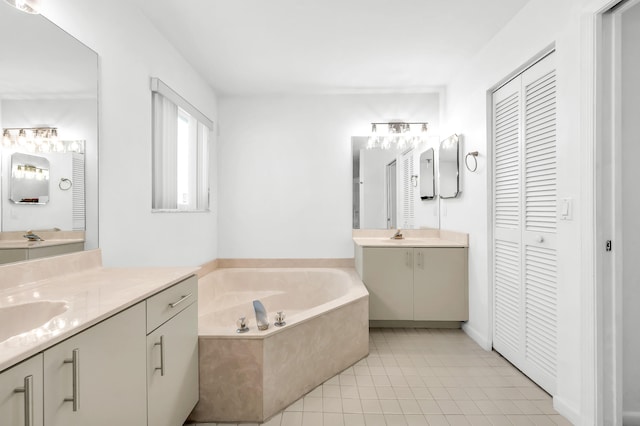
[19, 319]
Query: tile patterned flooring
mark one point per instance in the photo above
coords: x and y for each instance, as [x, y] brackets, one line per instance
[423, 377]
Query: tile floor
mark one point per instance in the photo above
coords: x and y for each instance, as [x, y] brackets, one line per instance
[423, 377]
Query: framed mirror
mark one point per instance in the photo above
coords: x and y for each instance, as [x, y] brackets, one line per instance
[386, 188]
[449, 167]
[29, 179]
[48, 79]
[427, 175]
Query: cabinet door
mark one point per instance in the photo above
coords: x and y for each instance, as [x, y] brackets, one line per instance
[172, 369]
[440, 284]
[388, 275]
[21, 393]
[106, 385]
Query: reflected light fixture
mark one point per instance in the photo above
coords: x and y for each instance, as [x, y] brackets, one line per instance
[398, 135]
[39, 139]
[25, 6]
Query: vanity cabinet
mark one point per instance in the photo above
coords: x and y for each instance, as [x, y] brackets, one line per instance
[415, 283]
[172, 354]
[21, 254]
[98, 377]
[21, 394]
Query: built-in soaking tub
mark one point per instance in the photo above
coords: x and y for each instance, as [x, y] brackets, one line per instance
[249, 377]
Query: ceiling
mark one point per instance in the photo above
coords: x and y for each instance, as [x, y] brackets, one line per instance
[328, 46]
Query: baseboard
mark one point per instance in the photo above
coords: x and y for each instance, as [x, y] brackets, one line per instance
[631, 418]
[567, 410]
[484, 342]
[413, 324]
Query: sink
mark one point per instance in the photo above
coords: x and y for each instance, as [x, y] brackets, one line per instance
[25, 317]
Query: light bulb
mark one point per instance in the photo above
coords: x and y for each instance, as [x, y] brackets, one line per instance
[6, 138]
[22, 137]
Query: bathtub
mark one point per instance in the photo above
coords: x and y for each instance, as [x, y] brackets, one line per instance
[249, 377]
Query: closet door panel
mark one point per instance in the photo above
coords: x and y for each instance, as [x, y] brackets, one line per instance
[524, 228]
[540, 219]
[507, 294]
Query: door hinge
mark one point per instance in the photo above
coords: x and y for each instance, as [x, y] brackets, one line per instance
[608, 245]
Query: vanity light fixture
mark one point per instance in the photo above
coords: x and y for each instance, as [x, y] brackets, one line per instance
[25, 6]
[399, 135]
[39, 139]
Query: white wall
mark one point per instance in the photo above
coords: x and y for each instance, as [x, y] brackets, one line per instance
[285, 169]
[540, 23]
[130, 52]
[630, 86]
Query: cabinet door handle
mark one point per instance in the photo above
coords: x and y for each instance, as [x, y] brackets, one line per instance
[75, 379]
[420, 260]
[179, 301]
[161, 344]
[27, 389]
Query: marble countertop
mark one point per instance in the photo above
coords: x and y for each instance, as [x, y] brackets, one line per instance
[407, 242]
[90, 294]
[26, 244]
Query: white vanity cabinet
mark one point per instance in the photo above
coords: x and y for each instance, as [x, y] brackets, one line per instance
[415, 283]
[98, 377]
[172, 354]
[21, 394]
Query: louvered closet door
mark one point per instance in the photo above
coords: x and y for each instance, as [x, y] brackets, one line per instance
[525, 261]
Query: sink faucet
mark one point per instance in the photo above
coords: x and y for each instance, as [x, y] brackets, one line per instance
[261, 315]
[32, 237]
[397, 235]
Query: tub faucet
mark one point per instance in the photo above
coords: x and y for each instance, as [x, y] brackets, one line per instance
[261, 315]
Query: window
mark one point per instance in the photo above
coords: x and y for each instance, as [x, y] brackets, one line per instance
[181, 136]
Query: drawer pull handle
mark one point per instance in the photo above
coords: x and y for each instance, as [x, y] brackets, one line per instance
[182, 299]
[161, 344]
[28, 400]
[75, 381]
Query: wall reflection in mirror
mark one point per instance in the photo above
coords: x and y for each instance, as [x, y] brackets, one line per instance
[48, 115]
[387, 185]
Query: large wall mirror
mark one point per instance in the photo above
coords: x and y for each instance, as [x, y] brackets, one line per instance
[48, 81]
[387, 187]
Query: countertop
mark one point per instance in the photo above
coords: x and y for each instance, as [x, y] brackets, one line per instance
[407, 242]
[91, 292]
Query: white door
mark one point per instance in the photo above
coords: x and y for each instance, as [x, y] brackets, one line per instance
[524, 222]
[408, 190]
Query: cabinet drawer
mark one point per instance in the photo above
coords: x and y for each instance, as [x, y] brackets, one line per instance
[164, 305]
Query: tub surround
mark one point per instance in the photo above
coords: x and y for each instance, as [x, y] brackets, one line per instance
[252, 376]
[91, 293]
[285, 263]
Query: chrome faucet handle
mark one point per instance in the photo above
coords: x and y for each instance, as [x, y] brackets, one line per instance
[242, 325]
[279, 320]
